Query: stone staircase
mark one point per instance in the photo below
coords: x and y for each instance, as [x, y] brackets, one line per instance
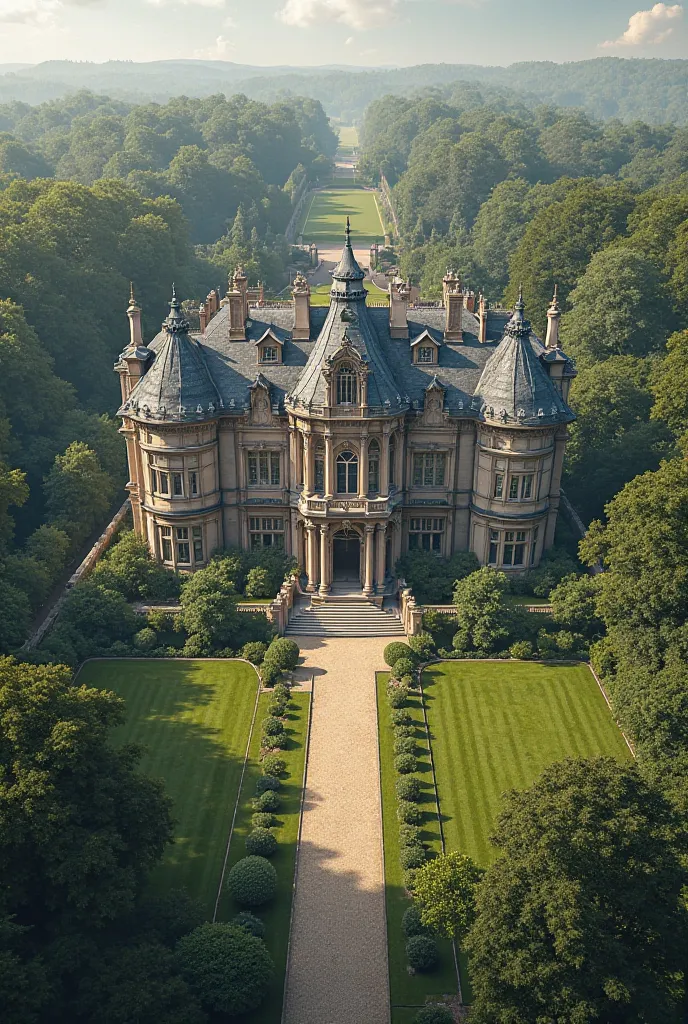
[344, 618]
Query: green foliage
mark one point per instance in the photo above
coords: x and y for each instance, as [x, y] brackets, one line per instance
[411, 857]
[257, 583]
[145, 639]
[411, 923]
[669, 385]
[444, 893]
[403, 730]
[522, 649]
[434, 1015]
[404, 667]
[284, 653]
[267, 800]
[226, 967]
[405, 764]
[252, 881]
[394, 651]
[410, 835]
[261, 842]
[589, 848]
[405, 745]
[397, 696]
[554, 566]
[481, 610]
[270, 672]
[262, 819]
[252, 924]
[92, 619]
[422, 645]
[422, 953]
[77, 492]
[209, 600]
[400, 716]
[267, 782]
[574, 604]
[254, 652]
[129, 568]
[432, 577]
[274, 765]
[409, 813]
[273, 726]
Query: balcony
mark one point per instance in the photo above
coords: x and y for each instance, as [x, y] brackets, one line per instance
[347, 507]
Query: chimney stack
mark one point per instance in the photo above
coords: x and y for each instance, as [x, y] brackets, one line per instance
[134, 314]
[399, 292]
[202, 317]
[241, 284]
[482, 313]
[453, 305]
[553, 318]
[301, 294]
[237, 311]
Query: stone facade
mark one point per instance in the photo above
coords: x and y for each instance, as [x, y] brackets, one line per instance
[346, 434]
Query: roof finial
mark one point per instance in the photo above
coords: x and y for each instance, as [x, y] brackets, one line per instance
[348, 231]
[132, 300]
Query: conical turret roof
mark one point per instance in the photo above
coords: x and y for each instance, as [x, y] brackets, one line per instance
[514, 386]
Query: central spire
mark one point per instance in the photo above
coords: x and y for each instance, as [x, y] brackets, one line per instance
[175, 322]
[348, 269]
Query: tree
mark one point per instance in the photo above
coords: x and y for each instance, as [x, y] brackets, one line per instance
[581, 918]
[619, 307]
[444, 892]
[81, 825]
[209, 600]
[78, 492]
[669, 385]
[481, 610]
[228, 968]
[130, 569]
[574, 604]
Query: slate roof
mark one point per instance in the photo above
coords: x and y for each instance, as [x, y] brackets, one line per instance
[192, 377]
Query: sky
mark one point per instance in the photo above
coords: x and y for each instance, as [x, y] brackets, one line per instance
[359, 32]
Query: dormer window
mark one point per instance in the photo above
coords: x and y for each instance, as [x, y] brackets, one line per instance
[268, 354]
[426, 354]
[425, 349]
[347, 391]
[269, 347]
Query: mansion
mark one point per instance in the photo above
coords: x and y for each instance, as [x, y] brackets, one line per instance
[346, 434]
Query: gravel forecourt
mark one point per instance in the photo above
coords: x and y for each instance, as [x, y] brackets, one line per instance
[337, 971]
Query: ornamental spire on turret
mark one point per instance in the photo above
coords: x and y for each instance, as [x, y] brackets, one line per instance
[553, 318]
[175, 322]
[134, 314]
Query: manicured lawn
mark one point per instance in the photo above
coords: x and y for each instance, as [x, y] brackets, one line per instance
[277, 914]
[326, 217]
[320, 295]
[348, 136]
[193, 719]
[407, 990]
[495, 725]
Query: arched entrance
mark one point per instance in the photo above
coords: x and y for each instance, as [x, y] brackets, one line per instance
[346, 557]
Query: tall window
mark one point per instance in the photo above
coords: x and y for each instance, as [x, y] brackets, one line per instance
[263, 468]
[177, 485]
[499, 485]
[520, 488]
[346, 385]
[429, 469]
[374, 467]
[193, 483]
[197, 535]
[320, 470]
[266, 532]
[181, 534]
[392, 461]
[494, 547]
[160, 482]
[166, 543]
[347, 473]
[533, 545]
[426, 534]
[514, 547]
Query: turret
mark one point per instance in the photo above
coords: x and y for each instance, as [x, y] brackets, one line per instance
[132, 363]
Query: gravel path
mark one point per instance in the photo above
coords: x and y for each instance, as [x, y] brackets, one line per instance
[337, 972]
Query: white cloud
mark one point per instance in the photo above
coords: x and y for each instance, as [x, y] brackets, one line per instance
[648, 27]
[216, 4]
[358, 14]
[28, 12]
[349, 41]
[221, 49]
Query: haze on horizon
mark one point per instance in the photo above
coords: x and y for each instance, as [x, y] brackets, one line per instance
[352, 32]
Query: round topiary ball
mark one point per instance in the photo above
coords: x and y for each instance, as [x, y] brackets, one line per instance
[227, 968]
[277, 707]
[400, 716]
[405, 764]
[410, 835]
[252, 881]
[394, 651]
[434, 1015]
[411, 923]
[422, 954]
[274, 765]
[411, 857]
[254, 652]
[262, 843]
[262, 819]
[283, 652]
[282, 692]
[405, 745]
[279, 741]
[273, 726]
[397, 696]
[265, 782]
[403, 730]
[267, 801]
[254, 925]
[409, 788]
[410, 879]
[403, 667]
[408, 681]
[409, 813]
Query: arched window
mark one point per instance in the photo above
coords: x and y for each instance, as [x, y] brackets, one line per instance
[346, 385]
[320, 470]
[392, 460]
[347, 473]
[374, 467]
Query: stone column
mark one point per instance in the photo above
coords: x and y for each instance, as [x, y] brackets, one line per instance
[384, 465]
[554, 489]
[311, 557]
[298, 460]
[399, 449]
[324, 563]
[369, 534]
[381, 553]
[363, 468]
[329, 466]
[307, 466]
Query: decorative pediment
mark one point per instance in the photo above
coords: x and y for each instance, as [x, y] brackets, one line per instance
[425, 338]
[425, 348]
[260, 397]
[270, 337]
[433, 408]
[269, 347]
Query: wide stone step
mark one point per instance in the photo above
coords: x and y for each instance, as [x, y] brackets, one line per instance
[360, 619]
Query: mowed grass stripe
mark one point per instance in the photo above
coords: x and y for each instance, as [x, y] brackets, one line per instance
[192, 719]
[329, 209]
[494, 726]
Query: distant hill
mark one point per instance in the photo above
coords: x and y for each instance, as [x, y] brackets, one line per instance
[655, 91]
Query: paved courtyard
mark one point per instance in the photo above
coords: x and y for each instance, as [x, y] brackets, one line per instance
[337, 972]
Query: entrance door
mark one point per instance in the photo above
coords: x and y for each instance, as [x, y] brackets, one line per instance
[346, 557]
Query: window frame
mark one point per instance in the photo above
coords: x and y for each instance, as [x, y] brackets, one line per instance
[263, 468]
[426, 533]
[429, 469]
[263, 354]
[346, 385]
[262, 527]
[423, 352]
[347, 470]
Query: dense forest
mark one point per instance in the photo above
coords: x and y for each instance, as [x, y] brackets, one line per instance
[548, 197]
[651, 90]
[95, 193]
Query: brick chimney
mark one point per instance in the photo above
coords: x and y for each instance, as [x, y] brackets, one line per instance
[301, 294]
[241, 284]
[237, 312]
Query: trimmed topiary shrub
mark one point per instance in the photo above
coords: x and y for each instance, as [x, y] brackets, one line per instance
[405, 745]
[284, 653]
[409, 813]
[262, 843]
[397, 696]
[434, 1015]
[280, 741]
[274, 765]
[262, 819]
[404, 667]
[522, 650]
[408, 681]
[410, 835]
[412, 857]
[405, 764]
[267, 801]
[400, 716]
[422, 954]
[254, 925]
[273, 726]
[277, 708]
[411, 923]
[266, 782]
[403, 730]
[252, 881]
[270, 673]
[410, 879]
[422, 645]
[409, 788]
[394, 651]
[254, 652]
[228, 969]
[282, 692]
